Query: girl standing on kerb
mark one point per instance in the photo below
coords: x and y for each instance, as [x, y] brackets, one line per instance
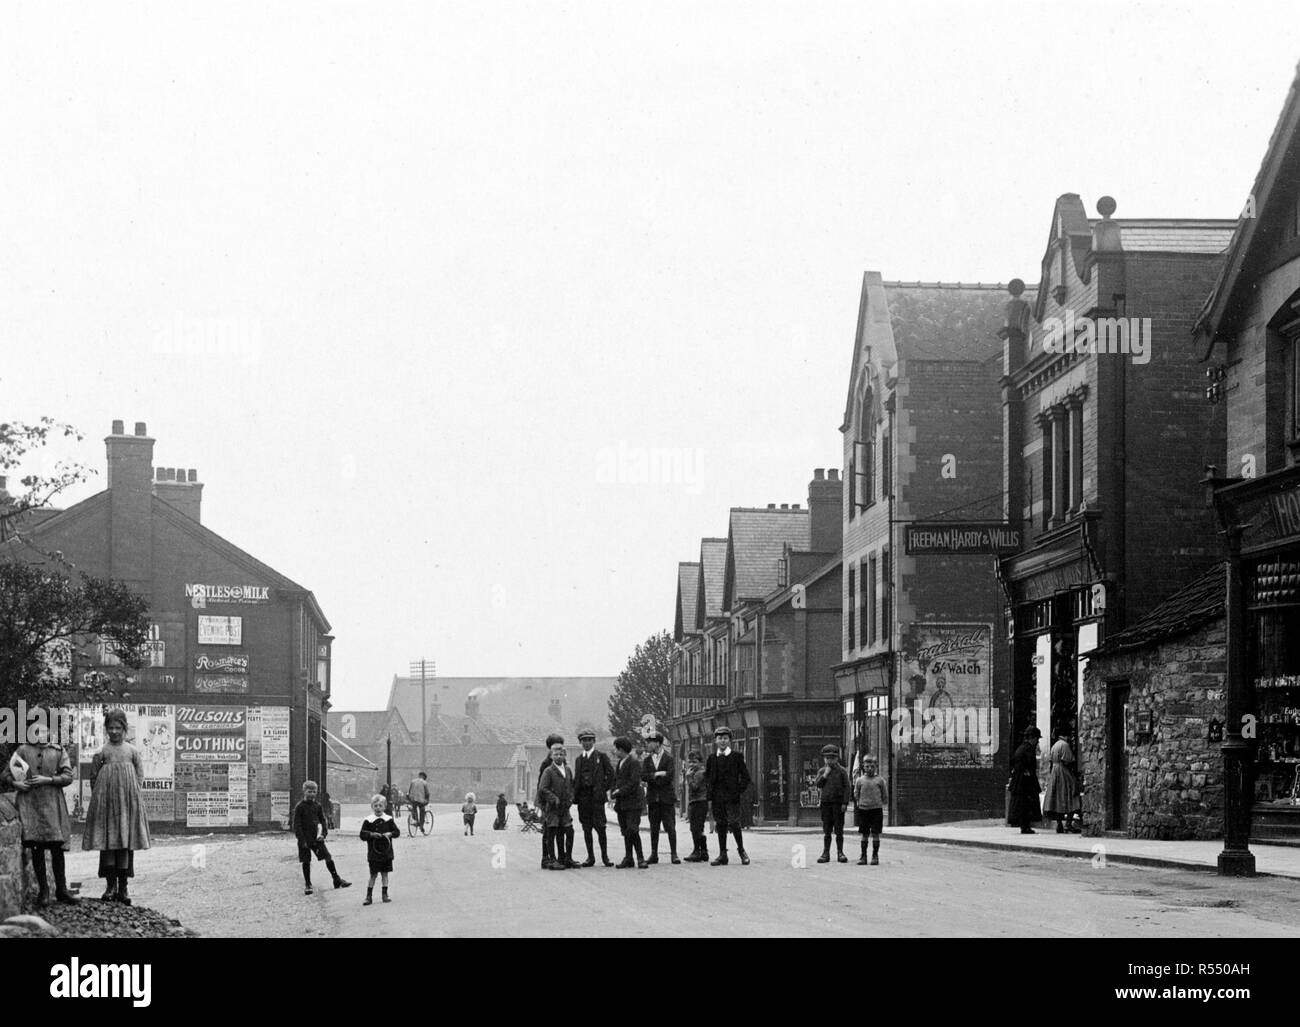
[116, 822]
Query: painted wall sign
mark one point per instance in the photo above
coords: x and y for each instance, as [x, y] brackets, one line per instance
[969, 538]
[221, 630]
[220, 684]
[231, 663]
[228, 593]
[947, 716]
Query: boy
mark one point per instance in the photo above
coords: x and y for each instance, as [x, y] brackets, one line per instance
[555, 795]
[548, 838]
[726, 777]
[660, 796]
[310, 828]
[378, 833]
[628, 803]
[833, 781]
[697, 806]
[870, 794]
[593, 777]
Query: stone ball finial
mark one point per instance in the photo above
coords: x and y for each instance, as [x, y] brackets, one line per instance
[1106, 206]
[1015, 287]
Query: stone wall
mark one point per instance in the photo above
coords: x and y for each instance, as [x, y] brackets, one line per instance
[1175, 776]
[15, 883]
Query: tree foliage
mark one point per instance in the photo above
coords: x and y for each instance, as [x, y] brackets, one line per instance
[644, 687]
[18, 439]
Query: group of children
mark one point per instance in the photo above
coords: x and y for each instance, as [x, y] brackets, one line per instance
[869, 795]
[310, 827]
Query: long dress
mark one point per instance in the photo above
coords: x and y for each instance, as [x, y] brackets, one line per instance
[1024, 785]
[1062, 793]
[42, 808]
[116, 822]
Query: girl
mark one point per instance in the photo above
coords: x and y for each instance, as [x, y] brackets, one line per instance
[378, 833]
[1061, 797]
[116, 823]
[470, 811]
[42, 808]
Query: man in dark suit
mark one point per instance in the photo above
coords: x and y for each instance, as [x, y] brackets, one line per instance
[627, 803]
[725, 779]
[660, 796]
[593, 776]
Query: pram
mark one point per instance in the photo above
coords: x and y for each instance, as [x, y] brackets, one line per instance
[529, 818]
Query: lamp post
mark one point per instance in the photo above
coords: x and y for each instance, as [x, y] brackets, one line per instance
[1236, 859]
[424, 670]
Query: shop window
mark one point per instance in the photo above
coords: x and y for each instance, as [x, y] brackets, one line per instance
[1277, 691]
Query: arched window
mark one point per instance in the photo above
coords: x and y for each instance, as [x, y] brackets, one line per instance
[864, 481]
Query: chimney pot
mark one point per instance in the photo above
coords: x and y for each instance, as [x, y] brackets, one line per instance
[194, 474]
[140, 429]
[785, 506]
[834, 472]
[794, 506]
[819, 474]
[771, 506]
[160, 473]
[119, 428]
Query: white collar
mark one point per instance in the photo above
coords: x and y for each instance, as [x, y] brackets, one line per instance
[725, 752]
[657, 757]
[383, 816]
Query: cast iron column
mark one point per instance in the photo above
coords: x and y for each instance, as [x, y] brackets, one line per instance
[1236, 859]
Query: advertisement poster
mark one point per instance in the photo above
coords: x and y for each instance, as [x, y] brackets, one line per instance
[238, 795]
[159, 801]
[221, 630]
[220, 684]
[280, 807]
[275, 734]
[211, 734]
[207, 809]
[152, 732]
[90, 732]
[946, 717]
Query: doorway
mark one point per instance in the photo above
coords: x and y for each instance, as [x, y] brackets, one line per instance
[1117, 756]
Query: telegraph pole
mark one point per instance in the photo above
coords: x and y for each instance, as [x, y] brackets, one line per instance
[425, 670]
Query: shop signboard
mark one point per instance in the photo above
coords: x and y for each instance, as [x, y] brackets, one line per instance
[211, 734]
[221, 663]
[220, 684]
[961, 538]
[220, 630]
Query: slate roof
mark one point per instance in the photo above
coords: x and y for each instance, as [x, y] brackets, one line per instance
[1165, 235]
[688, 590]
[939, 321]
[755, 544]
[457, 757]
[369, 724]
[450, 730]
[508, 704]
[1196, 603]
[713, 569]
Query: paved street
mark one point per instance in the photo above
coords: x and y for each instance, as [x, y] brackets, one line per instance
[450, 885]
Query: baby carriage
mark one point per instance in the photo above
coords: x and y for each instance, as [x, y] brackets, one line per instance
[529, 818]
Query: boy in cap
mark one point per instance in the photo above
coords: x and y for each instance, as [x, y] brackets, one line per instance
[697, 806]
[593, 777]
[660, 796]
[627, 803]
[548, 837]
[726, 778]
[833, 780]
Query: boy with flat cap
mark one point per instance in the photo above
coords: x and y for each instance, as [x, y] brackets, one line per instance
[628, 804]
[833, 780]
[593, 777]
[726, 777]
[660, 796]
[697, 806]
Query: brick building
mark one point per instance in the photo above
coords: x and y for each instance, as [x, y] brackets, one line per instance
[228, 711]
[1106, 436]
[920, 682]
[766, 614]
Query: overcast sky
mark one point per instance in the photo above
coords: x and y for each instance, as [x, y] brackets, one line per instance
[414, 286]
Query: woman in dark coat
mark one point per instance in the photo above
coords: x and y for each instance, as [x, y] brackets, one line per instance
[1023, 786]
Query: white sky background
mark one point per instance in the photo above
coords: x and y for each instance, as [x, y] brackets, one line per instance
[454, 252]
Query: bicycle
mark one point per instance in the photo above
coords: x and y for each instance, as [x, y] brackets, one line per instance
[425, 825]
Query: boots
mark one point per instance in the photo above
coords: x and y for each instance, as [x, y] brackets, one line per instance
[875, 851]
[42, 883]
[61, 893]
[590, 861]
[569, 861]
[825, 857]
[862, 860]
[122, 895]
[839, 848]
[334, 873]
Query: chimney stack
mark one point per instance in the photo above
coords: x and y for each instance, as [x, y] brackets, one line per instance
[826, 507]
[175, 488]
[471, 707]
[130, 473]
[555, 709]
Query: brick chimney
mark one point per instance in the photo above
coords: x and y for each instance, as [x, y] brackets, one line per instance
[179, 488]
[130, 532]
[471, 707]
[825, 503]
[554, 710]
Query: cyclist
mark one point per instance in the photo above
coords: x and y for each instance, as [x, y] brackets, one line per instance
[418, 795]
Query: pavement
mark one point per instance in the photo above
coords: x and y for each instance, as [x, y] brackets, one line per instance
[490, 885]
[1271, 860]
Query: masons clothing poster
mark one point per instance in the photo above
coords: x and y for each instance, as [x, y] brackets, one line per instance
[946, 718]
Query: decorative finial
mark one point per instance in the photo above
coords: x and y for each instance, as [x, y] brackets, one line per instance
[1015, 287]
[1106, 206]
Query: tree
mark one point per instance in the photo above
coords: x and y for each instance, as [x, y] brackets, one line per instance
[644, 687]
[51, 615]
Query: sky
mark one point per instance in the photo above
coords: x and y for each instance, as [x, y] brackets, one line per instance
[474, 319]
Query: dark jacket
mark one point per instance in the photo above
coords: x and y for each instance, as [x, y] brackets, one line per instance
[593, 776]
[307, 816]
[627, 786]
[660, 791]
[725, 777]
[555, 789]
[378, 834]
[695, 784]
[1024, 770]
[834, 783]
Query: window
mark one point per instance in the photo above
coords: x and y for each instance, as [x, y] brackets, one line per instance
[864, 483]
[852, 608]
[886, 468]
[476, 776]
[1046, 424]
[886, 613]
[869, 604]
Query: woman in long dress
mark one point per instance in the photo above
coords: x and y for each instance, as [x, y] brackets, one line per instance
[116, 822]
[1061, 797]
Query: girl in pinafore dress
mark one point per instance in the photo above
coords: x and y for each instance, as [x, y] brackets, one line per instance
[116, 822]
